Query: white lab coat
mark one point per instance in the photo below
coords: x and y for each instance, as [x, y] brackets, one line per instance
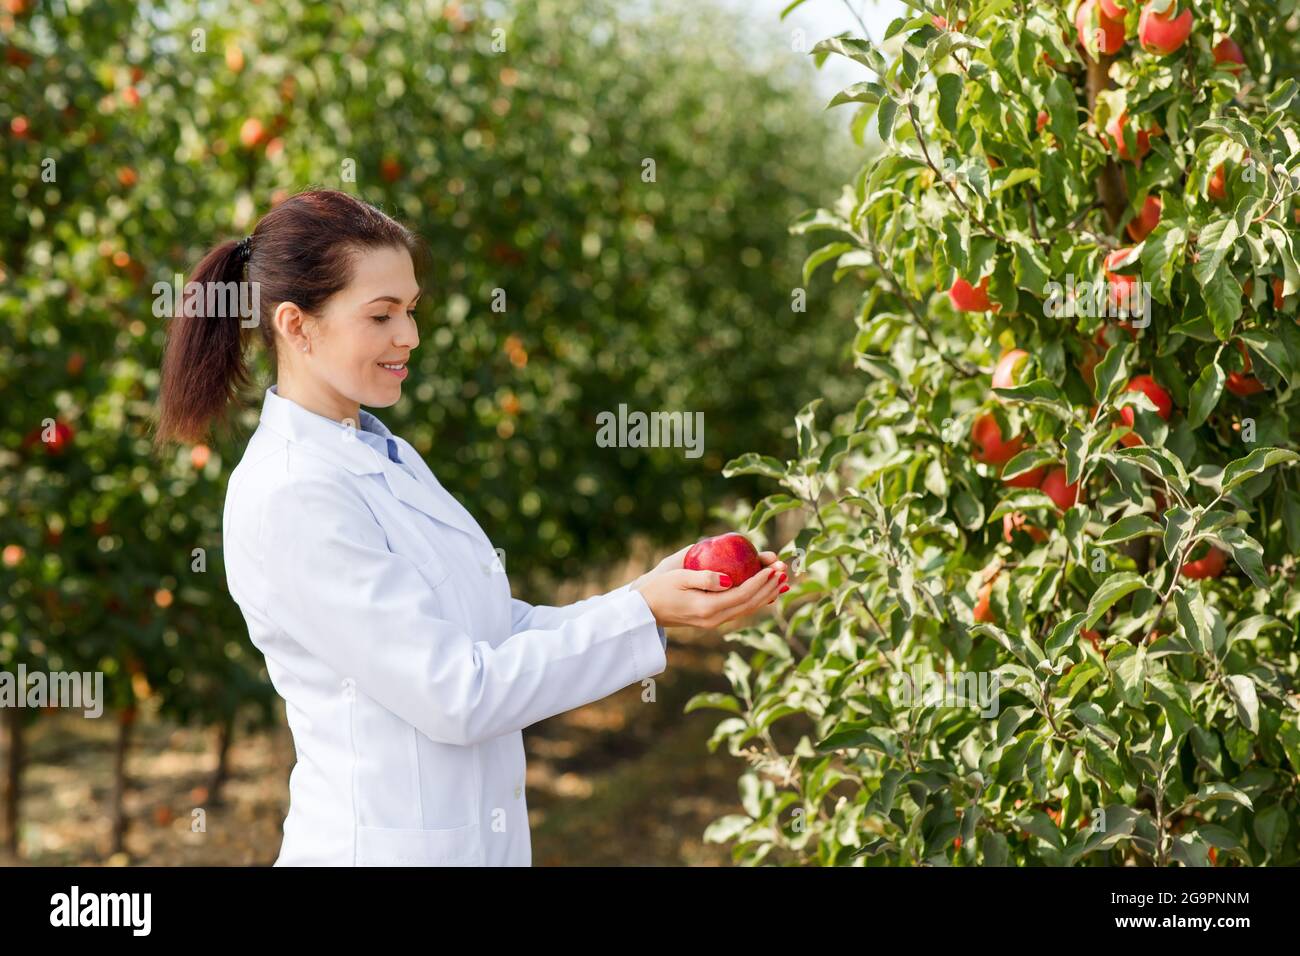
[407, 669]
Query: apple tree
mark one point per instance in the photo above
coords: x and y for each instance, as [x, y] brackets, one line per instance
[1047, 611]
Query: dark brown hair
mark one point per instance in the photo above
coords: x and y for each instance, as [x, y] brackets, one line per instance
[303, 252]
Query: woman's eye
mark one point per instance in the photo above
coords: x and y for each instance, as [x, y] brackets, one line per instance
[411, 313]
[380, 318]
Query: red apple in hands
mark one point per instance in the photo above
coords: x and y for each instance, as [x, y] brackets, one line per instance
[731, 554]
[968, 298]
[1140, 226]
[1163, 33]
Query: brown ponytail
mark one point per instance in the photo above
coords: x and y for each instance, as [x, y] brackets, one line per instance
[300, 252]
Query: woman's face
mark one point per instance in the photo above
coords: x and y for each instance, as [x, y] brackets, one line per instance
[368, 325]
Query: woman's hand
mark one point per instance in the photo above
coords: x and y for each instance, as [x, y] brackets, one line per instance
[706, 598]
[674, 563]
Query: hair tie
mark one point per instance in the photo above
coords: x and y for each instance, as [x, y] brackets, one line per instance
[244, 248]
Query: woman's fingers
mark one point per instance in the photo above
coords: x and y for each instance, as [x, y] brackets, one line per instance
[770, 559]
[704, 580]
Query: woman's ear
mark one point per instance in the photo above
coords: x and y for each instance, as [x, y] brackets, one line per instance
[289, 323]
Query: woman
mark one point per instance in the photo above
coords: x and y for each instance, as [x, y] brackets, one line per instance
[407, 670]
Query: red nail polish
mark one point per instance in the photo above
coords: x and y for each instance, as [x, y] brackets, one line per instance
[724, 580]
[784, 588]
[783, 578]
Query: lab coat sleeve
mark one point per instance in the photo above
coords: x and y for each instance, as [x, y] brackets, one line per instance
[335, 588]
[526, 616]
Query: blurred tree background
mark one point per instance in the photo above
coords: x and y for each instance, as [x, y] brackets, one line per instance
[622, 180]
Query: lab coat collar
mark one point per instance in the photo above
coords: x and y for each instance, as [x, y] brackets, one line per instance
[291, 421]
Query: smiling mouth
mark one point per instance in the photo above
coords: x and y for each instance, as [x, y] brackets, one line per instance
[397, 367]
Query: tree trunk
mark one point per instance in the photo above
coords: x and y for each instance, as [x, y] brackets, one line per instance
[11, 784]
[1110, 186]
[225, 735]
[125, 719]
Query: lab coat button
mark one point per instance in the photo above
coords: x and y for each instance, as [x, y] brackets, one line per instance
[519, 792]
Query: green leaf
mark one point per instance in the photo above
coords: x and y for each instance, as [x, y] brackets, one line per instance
[949, 85]
[1190, 607]
[885, 114]
[1115, 587]
[1063, 636]
[1156, 460]
[1129, 665]
[1206, 393]
[1177, 521]
[1023, 499]
[768, 508]
[1213, 244]
[712, 701]
[1040, 393]
[1125, 529]
[1027, 461]
[1248, 554]
[1271, 826]
[1249, 629]
[824, 254]
[754, 464]
[856, 49]
[868, 92]
[818, 220]
[1111, 373]
[1243, 469]
[1223, 304]
[1221, 791]
[1242, 689]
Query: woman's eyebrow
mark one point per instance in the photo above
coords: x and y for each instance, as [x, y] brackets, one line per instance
[392, 299]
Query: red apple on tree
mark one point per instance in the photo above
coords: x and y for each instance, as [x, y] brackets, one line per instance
[1217, 189]
[1112, 10]
[1115, 130]
[731, 554]
[1163, 33]
[1210, 566]
[1009, 367]
[252, 133]
[1109, 32]
[1063, 494]
[1152, 390]
[1243, 383]
[1227, 52]
[1122, 287]
[983, 613]
[1140, 226]
[990, 447]
[968, 298]
[1030, 479]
